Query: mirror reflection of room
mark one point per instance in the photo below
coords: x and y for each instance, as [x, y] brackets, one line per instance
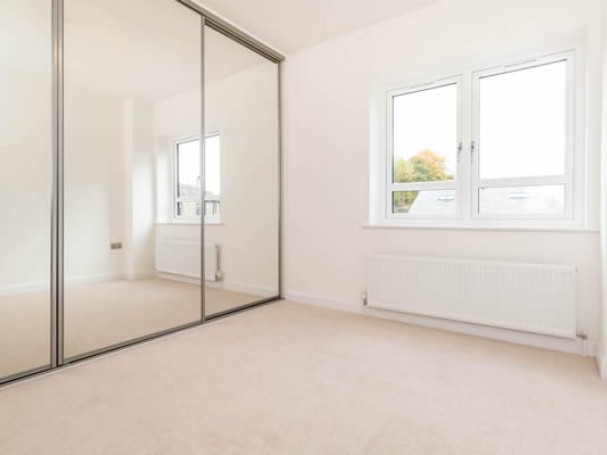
[240, 162]
[140, 173]
[25, 185]
[124, 68]
[241, 176]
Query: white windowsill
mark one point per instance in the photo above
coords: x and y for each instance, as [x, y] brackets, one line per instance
[479, 227]
[216, 222]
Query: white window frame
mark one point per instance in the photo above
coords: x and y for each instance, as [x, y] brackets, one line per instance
[567, 179]
[208, 219]
[455, 184]
[468, 183]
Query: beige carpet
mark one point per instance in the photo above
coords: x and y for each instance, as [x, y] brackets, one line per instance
[292, 379]
[100, 315]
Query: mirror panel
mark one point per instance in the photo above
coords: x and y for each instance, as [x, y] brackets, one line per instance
[241, 252]
[127, 275]
[140, 175]
[26, 179]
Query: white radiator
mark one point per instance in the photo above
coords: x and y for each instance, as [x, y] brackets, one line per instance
[182, 257]
[526, 297]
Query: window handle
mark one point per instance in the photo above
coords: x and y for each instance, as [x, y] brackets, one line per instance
[472, 150]
[459, 151]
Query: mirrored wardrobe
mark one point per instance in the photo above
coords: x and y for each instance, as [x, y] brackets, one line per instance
[140, 186]
[26, 185]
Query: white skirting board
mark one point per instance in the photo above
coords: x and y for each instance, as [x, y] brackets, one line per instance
[254, 289]
[601, 360]
[571, 346]
[262, 291]
[43, 286]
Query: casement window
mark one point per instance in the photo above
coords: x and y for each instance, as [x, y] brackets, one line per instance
[187, 179]
[485, 146]
[424, 147]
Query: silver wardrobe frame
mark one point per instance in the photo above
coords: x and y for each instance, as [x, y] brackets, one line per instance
[57, 358]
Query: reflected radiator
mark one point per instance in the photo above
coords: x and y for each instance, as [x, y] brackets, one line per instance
[182, 257]
[526, 297]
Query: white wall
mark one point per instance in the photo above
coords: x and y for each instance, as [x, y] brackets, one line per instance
[111, 180]
[602, 351]
[25, 180]
[93, 182]
[243, 109]
[109, 183]
[327, 93]
[140, 188]
[94, 185]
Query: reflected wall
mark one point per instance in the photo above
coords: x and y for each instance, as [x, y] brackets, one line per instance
[26, 178]
[121, 62]
[154, 200]
[238, 169]
[241, 108]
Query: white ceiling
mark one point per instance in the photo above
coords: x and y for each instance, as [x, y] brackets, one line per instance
[290, 25]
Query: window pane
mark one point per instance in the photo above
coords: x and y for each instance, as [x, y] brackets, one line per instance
[425, 135]
[212, 176]
[188, 176]
[542, 200]
[434, 202]
[523, 122]
[188, 209]
[188, 169]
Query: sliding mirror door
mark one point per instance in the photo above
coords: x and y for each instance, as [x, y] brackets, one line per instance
[131, 267]
[166, 178]
[26, 179]
[241, 176]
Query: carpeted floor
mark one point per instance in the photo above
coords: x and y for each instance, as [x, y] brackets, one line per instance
[294, 379]
[99, 315]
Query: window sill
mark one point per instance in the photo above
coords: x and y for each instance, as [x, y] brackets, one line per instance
[190, 223]
[479, 227]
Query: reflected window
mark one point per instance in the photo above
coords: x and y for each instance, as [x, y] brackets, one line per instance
[188, 181]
